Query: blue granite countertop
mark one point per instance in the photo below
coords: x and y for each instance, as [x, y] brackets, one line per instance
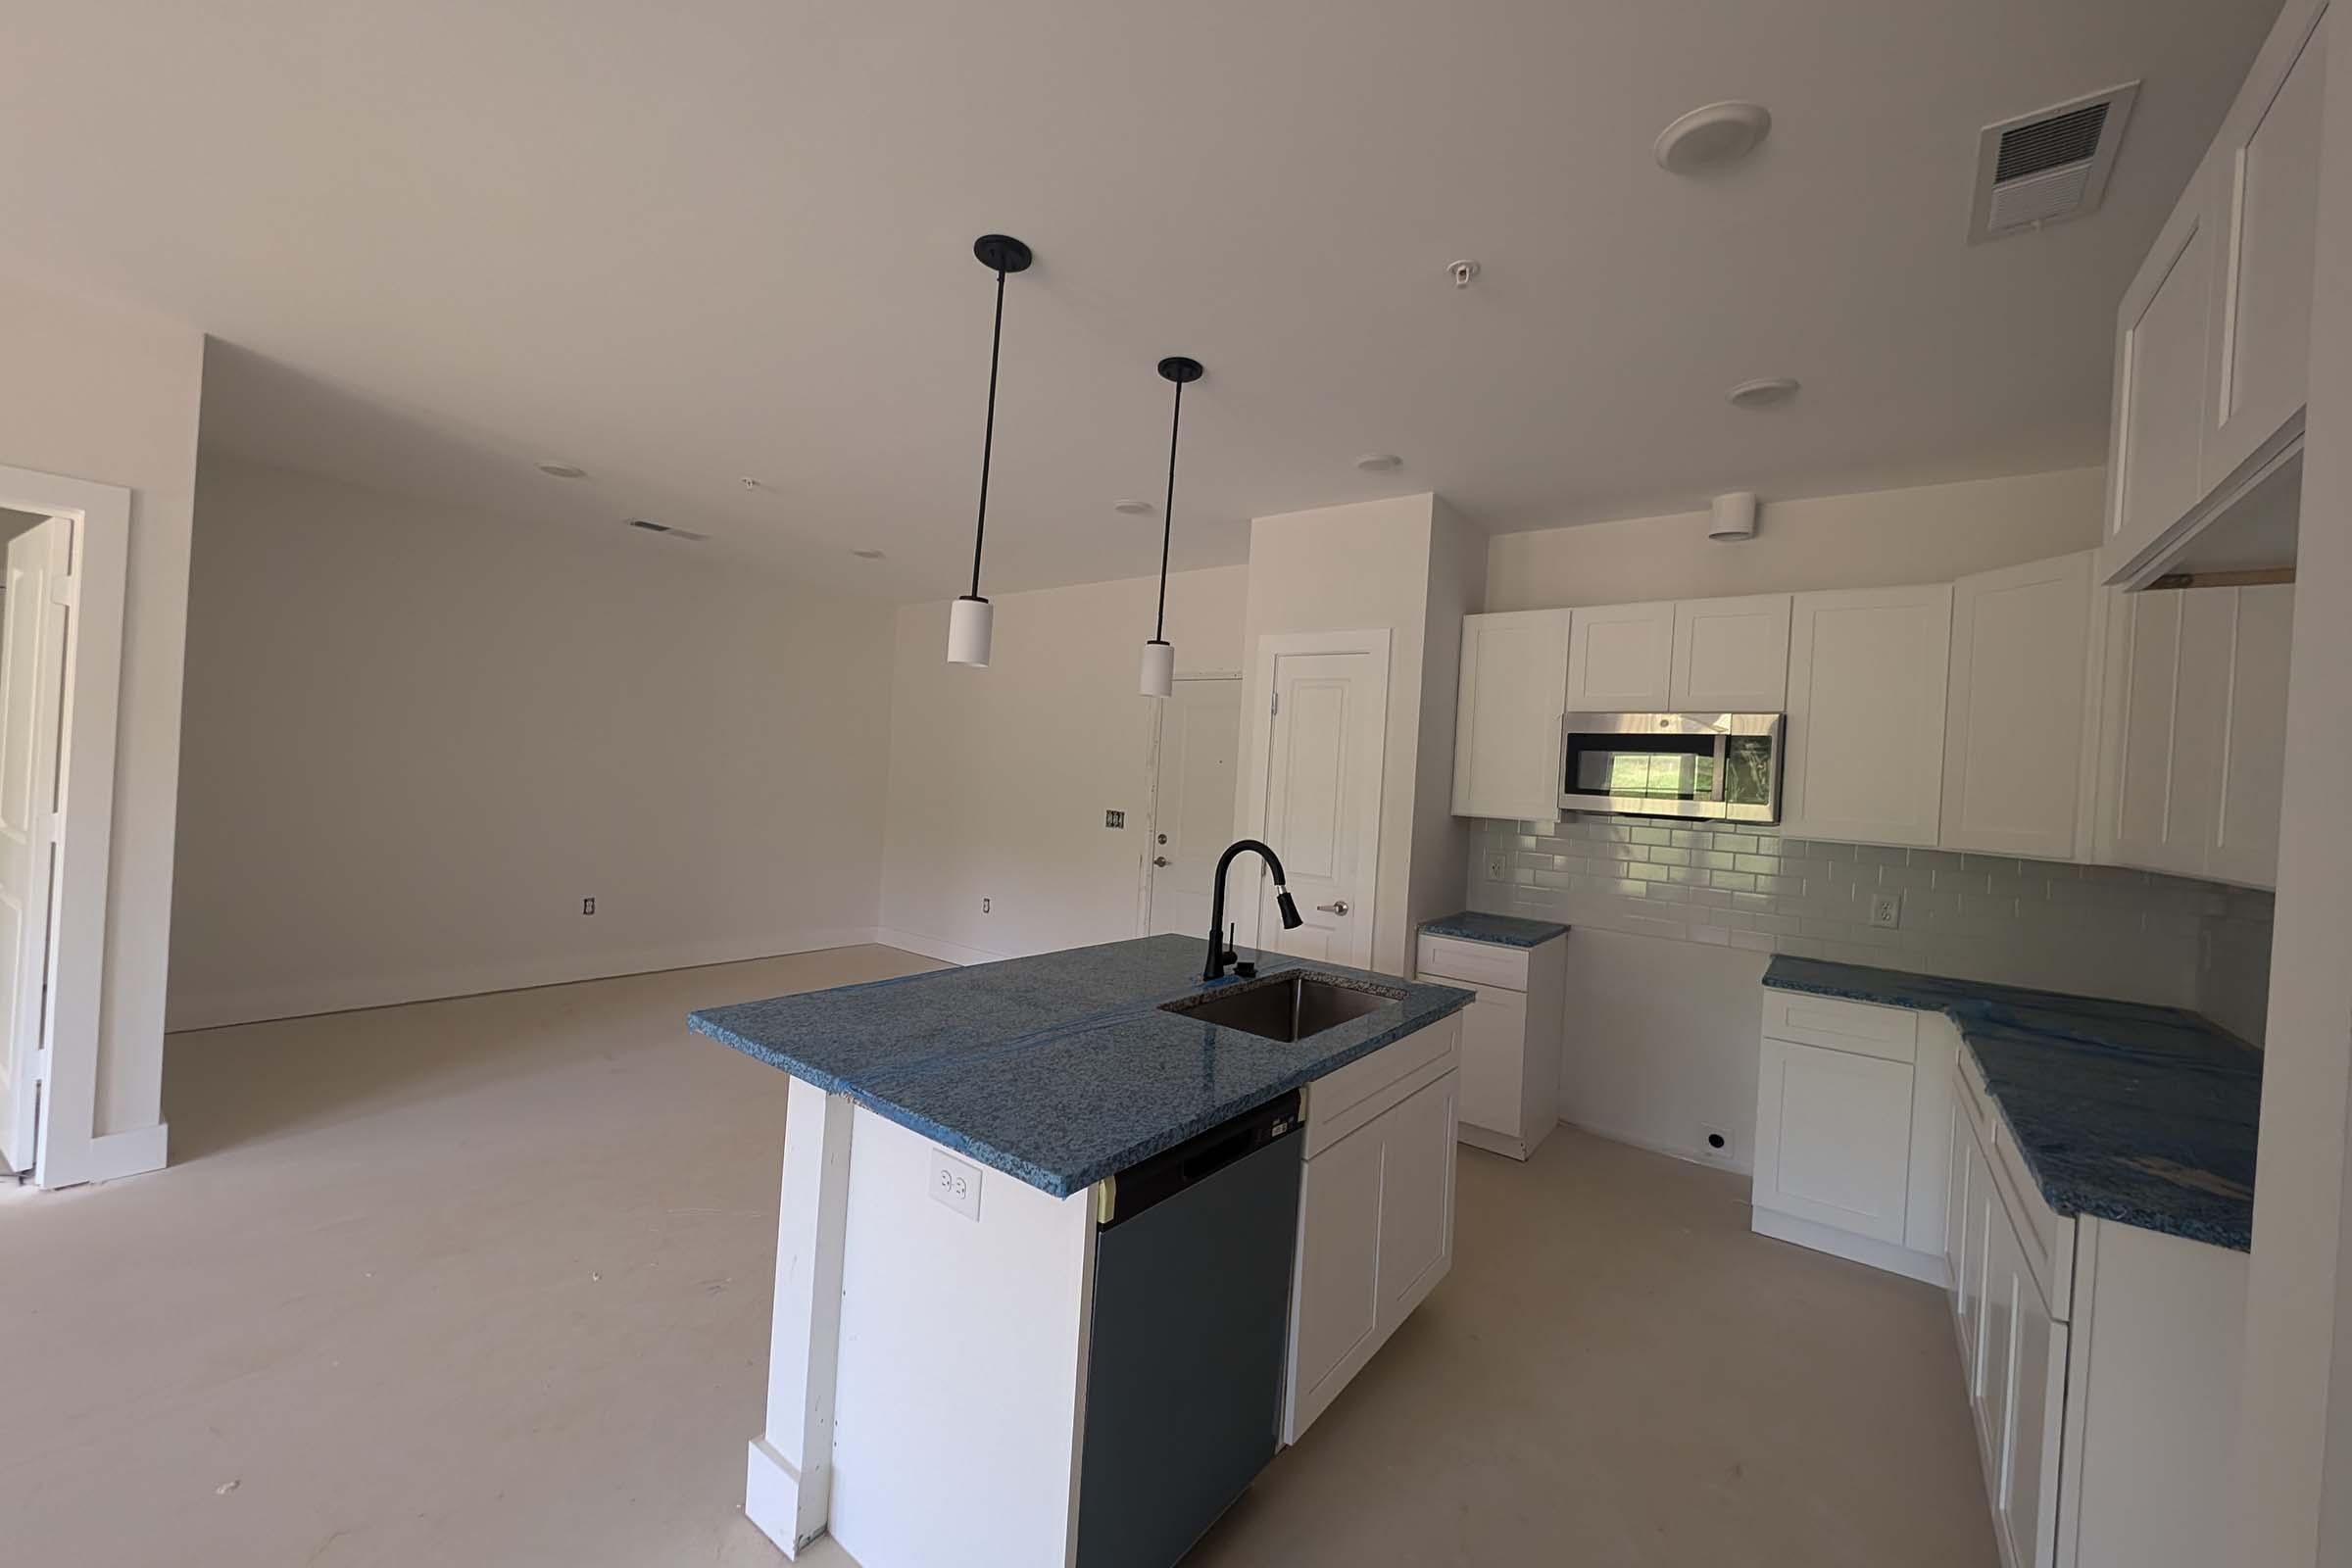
[2140, 1115]
[1060, 1069]
[1507, 929]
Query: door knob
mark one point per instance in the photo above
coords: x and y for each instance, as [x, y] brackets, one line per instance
[1337, 907]
[1159, 860]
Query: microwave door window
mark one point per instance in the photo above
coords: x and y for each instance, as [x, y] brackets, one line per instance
[1658, 771]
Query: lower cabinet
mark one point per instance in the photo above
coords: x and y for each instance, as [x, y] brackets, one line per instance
[1375, 1213]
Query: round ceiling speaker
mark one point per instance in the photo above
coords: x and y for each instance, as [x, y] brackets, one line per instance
[1734, 517]
[1768, 393]
[1712, 138]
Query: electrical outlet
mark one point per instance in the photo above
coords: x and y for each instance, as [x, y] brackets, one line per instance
[984, 905]
[587, 906]
[955, 1184]
[1887, 910]
[1714, 1142]
[1499, 865]
[1114, 818]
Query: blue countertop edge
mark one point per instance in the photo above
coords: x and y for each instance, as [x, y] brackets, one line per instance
[1504, 930]
[1425, 1004]
[2041, 1055]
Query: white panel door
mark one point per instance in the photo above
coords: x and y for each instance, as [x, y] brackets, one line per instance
[32, 661]
[2160, 381]
[1731, 656]
[1621, 659]
[1866, 706]
[2261, 328]
[1507, 742]
[1324, 747]
[1494, 1061]
[1834, 1138]
[1191, 812]
[2245, 846]
[2019, 700]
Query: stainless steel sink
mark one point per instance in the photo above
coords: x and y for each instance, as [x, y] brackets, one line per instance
[1288, 1007]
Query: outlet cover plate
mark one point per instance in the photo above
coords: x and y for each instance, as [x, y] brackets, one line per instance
[1887, 910]
[955, 1184]
[1499, 865]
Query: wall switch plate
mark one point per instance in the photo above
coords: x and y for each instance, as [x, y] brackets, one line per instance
[1499, 865]
[956, 1184]
[1887, 910]
[587, 906]
[1114, 818]
[1714, 1142]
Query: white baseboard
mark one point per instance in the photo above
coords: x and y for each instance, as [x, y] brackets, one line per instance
[1864, 1249]
[114, 1155]
[771, 1500]
[939, 947]
[349, 994]
[1670, 1151]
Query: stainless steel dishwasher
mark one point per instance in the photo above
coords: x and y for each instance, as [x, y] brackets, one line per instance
[1189, 1336]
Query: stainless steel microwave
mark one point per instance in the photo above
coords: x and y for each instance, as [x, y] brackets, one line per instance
[1723, 767]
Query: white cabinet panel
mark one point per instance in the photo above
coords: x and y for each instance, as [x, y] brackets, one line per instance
[2029, 1503]
[1926, 1198]
[1507, 743]
[2013, 743]
[1416, 1200]
[2153, 475]
[2150, 639]
[1865, 715]
[1621, 659]
[1731, 656]
[2245, 845]
[2269, 155]
[1493, 1051]
[1834, 1138]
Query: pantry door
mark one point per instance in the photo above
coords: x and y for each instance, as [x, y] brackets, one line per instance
[1316, 777]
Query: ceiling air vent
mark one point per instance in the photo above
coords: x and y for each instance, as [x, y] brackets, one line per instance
[651, 527]
[2049, 165]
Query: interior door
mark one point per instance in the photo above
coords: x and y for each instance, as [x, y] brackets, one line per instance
[1324, 743]
[32, 657]
[1192, 814]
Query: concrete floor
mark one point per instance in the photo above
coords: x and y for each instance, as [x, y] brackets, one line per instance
[486, 1282]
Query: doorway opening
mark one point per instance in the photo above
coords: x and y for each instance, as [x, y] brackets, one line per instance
[1195, 748]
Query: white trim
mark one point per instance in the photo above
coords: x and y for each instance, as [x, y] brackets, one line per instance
[939, 947]
[114, 1155]
[351, 994]
[1929, 1268]
[66, 1145]
[1258, 728]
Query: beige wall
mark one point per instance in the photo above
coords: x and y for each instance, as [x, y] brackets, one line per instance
[999, 777]
[1933, 533]
[1442, 841]
[97, 392]
[416, 740]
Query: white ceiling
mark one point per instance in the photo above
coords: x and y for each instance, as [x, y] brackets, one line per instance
[682, 243]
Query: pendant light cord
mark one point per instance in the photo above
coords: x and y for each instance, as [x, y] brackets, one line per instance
[1167, 519]
[988, 442]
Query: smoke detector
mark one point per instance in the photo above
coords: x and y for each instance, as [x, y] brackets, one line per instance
[2048, 165]
[1712, 138]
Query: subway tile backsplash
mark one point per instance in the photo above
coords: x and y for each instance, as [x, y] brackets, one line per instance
[2096, 929]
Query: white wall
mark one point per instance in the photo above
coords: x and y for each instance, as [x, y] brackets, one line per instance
[97, 392]
[1442, 841]
[999, 777]
[1883, 538]
[416, 740]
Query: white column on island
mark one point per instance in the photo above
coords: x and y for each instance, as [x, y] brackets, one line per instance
[788, 1489]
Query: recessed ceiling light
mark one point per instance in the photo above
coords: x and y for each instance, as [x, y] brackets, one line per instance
[868, 554]
[564, 471]
[1132, 509]
[1379, 461]
[1712, 138]
[1768, 393]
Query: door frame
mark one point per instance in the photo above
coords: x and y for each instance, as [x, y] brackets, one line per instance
[1152, 745]
[68, 1148]
[1256, 765]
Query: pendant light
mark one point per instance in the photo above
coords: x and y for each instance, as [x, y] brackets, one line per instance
[972, 619]
[1160, 655]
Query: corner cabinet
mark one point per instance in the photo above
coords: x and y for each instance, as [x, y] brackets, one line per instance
[1866, 706]
[2019, 752]
[1506, 737]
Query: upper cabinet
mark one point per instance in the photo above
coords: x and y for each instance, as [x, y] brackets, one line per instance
[1866, 706]
[2015, 751]
[2213, 337]
[1506, 740]
[1621, 659]
[1731, 656]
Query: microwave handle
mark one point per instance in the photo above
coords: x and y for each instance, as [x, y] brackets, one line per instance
[1723, 756]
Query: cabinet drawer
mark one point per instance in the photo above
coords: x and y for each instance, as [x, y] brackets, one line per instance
[1891, 1033]
[1339, 1104]
[1481, 963]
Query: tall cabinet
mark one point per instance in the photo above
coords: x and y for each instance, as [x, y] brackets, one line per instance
[1866, 702]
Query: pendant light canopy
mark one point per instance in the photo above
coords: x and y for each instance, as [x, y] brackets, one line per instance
[972, 619]
[1160, 655]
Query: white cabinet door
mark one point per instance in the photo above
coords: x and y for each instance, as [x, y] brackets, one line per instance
[1866, 708]
[2005, 1280]
[2019, 701]
[2200, 729]
[2245, 845]
[1494, 1061]
[1731, 656]
[2269, 155]
[1932, 1093]
[1416, 1198]
[2150, 646]
[1506, 738]
[2159, 407]
[1834, 1138]
[1621, 659]
[2028, 1504]
[1976, 1231]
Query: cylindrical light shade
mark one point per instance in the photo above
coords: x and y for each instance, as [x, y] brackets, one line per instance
[1159, 668]
[1734, 517]
[970, 624]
